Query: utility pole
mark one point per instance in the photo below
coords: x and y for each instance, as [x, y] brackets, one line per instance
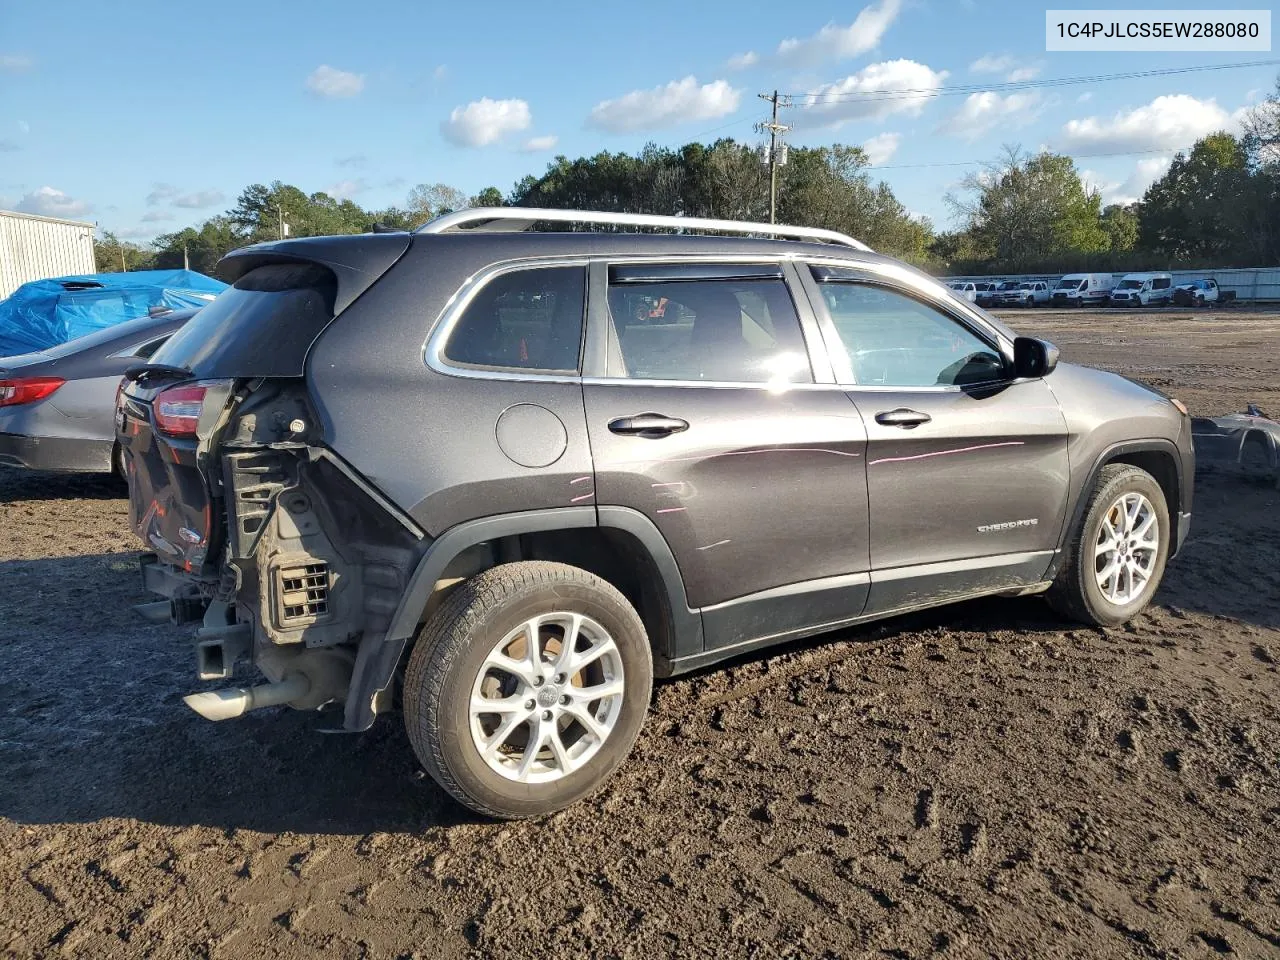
[775, 131]
[186, 264]
[280, 219]
[124, 268]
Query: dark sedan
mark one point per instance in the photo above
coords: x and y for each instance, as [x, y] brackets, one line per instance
[57, 406]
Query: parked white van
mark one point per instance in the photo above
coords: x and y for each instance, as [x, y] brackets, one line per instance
[1083, 289]
[1143, 290]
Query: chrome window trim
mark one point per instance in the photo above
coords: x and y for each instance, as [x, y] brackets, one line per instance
[438, 337]
[442, 326]
[762, 385]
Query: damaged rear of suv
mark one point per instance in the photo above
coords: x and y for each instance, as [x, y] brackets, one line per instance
[258, 530]
[507, 478]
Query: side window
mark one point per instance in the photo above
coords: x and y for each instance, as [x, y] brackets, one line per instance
[1161, 283]
[894, 340]
[729, 330]
[523, 320]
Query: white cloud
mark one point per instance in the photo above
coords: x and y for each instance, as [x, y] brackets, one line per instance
[1166, 123]
[15, 62]
[136, 233]
[906, 86]
[174, 196]
[881, 148]
[741, 61]
[834, 42]
[536, 144]
[1084, 97]
[335, 84]
[1015, 71]
[161, 192]
[1147, 171]
[983, 112]
[990, 63]
[346, 189]
[484, 121]
[157, 216]
[198, 199]
[48, 202]
[24, 127]
[678, 102]
[439, 73]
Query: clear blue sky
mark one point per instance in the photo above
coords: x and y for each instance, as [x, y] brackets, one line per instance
[146, 116]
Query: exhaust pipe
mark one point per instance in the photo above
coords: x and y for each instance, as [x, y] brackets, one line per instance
[237, 701]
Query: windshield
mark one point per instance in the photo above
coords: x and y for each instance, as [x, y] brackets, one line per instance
[1069, 284]
[1008, 285]
[1026, 286]
[1130, 285]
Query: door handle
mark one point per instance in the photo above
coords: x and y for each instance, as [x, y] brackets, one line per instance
[651, 425]
[902, 417]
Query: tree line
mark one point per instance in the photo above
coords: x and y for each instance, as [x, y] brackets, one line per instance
[1217, 205]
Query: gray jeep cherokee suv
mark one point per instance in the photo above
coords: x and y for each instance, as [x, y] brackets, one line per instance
[514, 475]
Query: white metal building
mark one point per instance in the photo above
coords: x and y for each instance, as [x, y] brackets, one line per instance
[33, 248]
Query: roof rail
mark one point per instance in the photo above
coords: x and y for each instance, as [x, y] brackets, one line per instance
[515, 219]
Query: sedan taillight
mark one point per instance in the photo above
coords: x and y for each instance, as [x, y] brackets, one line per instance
[27, 389]
[178, 409]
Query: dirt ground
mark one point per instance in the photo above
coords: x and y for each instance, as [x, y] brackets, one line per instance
[979, 781]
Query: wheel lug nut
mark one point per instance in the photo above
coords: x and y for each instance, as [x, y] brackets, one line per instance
[546, 714]
[537, 681]
[529, 704]
[559, 678]
[565, 699]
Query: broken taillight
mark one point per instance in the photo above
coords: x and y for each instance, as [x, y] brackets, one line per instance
[178, 409]
[27, 389]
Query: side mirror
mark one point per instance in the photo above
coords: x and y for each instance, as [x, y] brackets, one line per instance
[1033, 358]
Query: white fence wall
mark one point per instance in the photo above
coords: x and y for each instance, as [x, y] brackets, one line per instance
[1251, 284]
[33, 248]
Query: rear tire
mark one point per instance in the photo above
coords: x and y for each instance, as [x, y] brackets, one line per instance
[516, 760]
[1123, 500]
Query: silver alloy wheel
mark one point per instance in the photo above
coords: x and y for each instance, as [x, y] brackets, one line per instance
[1126, 549]
[546, 698]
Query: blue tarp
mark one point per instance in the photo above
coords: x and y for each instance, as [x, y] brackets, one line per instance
[45, 313]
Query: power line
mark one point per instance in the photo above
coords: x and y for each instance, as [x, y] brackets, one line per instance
[978, 163]
[819, 96]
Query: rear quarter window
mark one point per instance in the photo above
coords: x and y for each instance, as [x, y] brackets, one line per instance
[523, 320]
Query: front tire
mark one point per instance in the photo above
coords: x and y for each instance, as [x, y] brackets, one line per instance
[1116, 557]
[513, 728]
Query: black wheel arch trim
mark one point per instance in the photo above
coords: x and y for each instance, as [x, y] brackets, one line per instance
[1110, 455]
[377, 659]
